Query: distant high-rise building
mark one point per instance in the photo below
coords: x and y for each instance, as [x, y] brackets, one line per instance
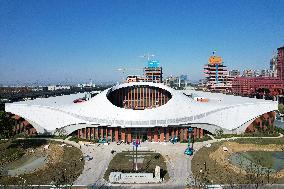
[265, 73]
[235, 73]
[183, 77]
[217, 75]
[257, 73]
[273, 65]
[176, 81]
[280, 63]
[249, 73]
[153, 72]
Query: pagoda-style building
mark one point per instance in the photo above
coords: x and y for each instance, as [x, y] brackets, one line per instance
[217, 75]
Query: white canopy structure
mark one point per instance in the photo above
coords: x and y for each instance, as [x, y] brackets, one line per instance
[231, 113]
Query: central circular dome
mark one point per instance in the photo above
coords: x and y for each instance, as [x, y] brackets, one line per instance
[139, 97]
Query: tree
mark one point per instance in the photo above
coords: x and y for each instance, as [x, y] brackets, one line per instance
[219, 132]
[6, 125]
[281, 108]
[61, 132]
[63, 177]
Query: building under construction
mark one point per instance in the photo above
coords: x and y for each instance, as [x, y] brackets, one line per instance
[217, 75]
[152, 73]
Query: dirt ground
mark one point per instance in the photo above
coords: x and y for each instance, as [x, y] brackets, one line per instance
[64, 165]
[222, 157]
[210, 165]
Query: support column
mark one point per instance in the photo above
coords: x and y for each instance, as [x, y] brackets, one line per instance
[194, 132]
[167, 134]
[173, 132]
[142, 98]
[78, 133]
[110, 133]
[149, 133]
[177, 131]
[181, 134]
[153, 97]
[102, 132]
[185, 131]
[85, 133]
[89, 133]
[129, 135]
[123, 134]
[162, 135]
[116, 134]
[97, 133]
[128, 98]
[93, 133]
[201, 133]
[197, 132]
[156, 134]
[81, 133]
[147, 97]
[132, 98]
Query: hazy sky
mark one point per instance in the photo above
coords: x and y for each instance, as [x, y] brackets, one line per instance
[73, 41]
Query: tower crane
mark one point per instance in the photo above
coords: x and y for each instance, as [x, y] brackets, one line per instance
[124, 70]
[148, 56]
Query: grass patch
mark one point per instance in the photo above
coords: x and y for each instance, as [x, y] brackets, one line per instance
[256, 134]
[123, 162]
[214, 173]
[74, 139]
[260, 141]
[204, 138]
[66, 170]
[262, 158]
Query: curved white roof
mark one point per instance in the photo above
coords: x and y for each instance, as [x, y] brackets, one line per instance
[224, 111]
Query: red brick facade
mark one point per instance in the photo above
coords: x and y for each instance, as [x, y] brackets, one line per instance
[262, 123]
[155, 134]
[22, 126]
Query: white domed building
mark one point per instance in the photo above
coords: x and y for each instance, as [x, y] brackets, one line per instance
[145, 110]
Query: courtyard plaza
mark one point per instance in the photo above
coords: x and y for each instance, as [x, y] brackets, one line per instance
[178, 164]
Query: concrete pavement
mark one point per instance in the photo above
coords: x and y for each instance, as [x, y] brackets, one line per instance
[178, 164]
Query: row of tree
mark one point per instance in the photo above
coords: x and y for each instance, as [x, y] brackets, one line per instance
[6, 125]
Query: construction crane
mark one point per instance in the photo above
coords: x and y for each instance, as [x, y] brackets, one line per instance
[124, 70]
[148, 56]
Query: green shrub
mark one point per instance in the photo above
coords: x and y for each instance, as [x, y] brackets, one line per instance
[281, 108]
